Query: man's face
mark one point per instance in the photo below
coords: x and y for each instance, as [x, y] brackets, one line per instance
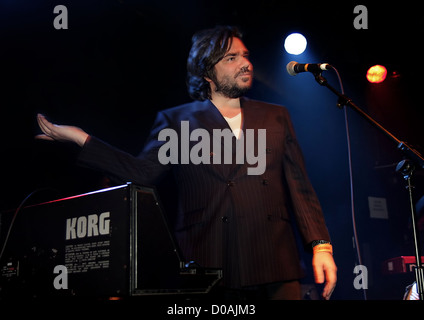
[234, 72]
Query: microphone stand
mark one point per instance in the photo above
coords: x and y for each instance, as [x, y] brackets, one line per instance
[413, 160]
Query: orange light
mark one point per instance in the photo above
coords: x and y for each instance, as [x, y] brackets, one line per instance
[376, 74]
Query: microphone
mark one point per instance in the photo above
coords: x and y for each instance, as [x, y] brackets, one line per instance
[293, 67]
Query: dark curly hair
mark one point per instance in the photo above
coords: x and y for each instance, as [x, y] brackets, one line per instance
[208, 48]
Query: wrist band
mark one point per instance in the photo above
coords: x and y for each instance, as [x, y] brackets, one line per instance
[326, 247]
[316, 242]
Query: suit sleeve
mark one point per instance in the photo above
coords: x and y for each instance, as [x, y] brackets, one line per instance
[124, 167]
[306, 206]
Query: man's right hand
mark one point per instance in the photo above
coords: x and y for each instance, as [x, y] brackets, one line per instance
[53, 132]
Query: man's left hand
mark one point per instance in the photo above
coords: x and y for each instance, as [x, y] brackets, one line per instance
[325, 270]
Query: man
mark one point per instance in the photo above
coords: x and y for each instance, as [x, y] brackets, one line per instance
[228, 217]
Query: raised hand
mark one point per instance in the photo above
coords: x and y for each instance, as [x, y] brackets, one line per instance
[53, 132]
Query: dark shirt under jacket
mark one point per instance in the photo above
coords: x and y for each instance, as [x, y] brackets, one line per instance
[226, 218]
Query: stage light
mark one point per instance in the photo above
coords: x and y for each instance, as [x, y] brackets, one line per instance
[295, 43]
[376, 74]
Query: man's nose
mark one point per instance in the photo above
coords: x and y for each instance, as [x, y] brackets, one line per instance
[246, 64]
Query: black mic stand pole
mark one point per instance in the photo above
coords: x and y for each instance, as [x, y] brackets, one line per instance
[406, 167]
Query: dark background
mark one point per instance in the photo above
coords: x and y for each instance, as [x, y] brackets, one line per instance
[122, 61]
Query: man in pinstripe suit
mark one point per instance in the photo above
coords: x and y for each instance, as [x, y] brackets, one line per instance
[228, 218]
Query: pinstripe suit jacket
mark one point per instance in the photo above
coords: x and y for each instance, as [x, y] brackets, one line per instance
[226, 218]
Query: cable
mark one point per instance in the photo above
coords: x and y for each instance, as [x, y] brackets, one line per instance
[16, 214]
[352, 204]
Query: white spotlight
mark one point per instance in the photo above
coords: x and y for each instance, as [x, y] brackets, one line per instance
[295, 43]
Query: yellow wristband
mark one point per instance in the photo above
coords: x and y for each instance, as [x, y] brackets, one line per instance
[325, 247]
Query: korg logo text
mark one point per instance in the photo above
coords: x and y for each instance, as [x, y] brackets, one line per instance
[90, 226]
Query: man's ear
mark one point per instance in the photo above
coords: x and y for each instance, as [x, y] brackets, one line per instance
[211, 83]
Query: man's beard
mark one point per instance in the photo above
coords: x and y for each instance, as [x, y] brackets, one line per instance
[230, 89]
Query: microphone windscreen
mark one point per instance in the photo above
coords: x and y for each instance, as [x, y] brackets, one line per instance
[290, 68]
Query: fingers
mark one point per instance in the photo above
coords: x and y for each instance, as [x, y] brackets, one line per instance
[325, 270]
[49, 129]
[331, 277]
[44, 125]
[41, 123]
[43, 137]
[319, 275]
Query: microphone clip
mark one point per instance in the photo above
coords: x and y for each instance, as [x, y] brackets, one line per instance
[343, 99]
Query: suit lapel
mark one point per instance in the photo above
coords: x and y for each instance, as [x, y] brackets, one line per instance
[253, 117]
[253, 120]
[208, 117]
